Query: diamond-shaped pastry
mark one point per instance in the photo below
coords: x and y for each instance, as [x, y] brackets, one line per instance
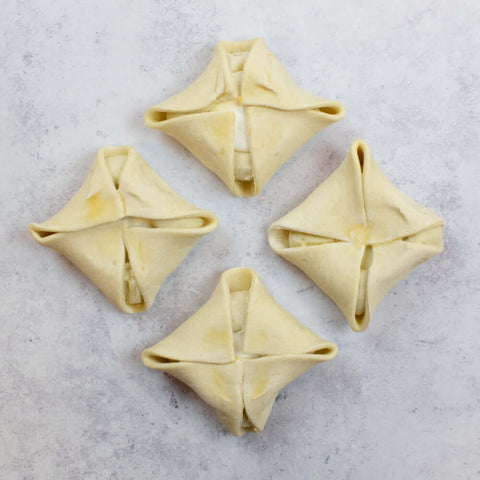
[357, 235]
[244, 116]
[239, 350]
[126, 229]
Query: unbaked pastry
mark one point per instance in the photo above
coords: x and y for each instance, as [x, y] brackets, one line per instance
[126, 229]
[357, 235]
[239, 350]
[244, 116]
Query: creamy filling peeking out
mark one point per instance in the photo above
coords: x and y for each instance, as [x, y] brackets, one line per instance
[242, 161]
[243, 167]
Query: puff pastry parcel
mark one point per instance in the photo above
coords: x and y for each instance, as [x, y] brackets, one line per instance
[244, 116]
[126, 229]
[357, 235]
[239, 350]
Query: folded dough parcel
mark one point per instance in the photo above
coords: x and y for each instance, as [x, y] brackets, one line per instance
[357, 235]
[126, 229]
[244, 117]
[239, 350]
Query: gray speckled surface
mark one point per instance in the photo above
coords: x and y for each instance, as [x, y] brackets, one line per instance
[400, 401]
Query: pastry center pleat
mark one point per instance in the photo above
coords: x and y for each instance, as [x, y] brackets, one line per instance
[133, 295]
[247, 424]
[299, 239]
[184, 223]
[360, 234]
[116, 159]
[239, 288]
[239, 300]
[361, 307]
[239, 307]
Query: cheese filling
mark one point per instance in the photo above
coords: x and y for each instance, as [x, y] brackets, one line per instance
[243, 167]
[241, 141]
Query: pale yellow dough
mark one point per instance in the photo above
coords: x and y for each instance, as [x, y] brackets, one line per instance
[126, 229]
[244, 116]
[239, 350]
[357, 235]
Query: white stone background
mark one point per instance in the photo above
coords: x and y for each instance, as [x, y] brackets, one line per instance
[401, 400]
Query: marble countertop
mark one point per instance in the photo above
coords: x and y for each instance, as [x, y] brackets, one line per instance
[401, 400]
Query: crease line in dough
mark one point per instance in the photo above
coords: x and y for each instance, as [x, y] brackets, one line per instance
[247, 425]
[361, 308]
[300, 239]
[175, 223]
[239, 292]
[132, 292]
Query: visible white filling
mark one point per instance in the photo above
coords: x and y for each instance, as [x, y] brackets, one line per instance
[241, 142]
[243, 168]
